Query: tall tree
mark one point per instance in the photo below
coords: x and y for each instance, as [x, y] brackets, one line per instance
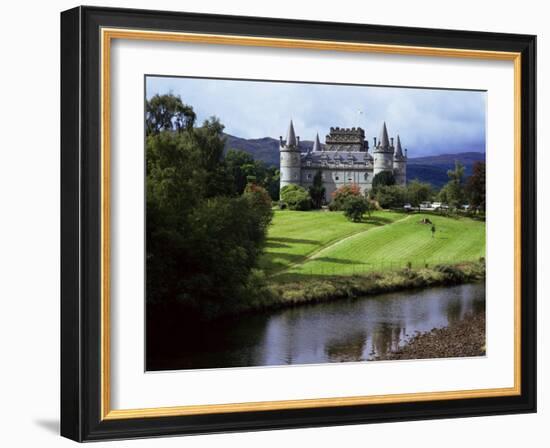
[475, 186]
[167, 113]
[241, 166]
[202, 241]
[317, 190]
[418, 192]
[453, 191]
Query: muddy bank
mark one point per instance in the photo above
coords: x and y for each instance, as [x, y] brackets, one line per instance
[460, 339]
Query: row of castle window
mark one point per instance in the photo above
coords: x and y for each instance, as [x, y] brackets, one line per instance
[336, 177]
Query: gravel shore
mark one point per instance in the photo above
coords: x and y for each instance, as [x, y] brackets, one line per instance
[460, 339]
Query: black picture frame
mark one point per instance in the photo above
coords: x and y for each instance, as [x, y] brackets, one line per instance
[81, 224]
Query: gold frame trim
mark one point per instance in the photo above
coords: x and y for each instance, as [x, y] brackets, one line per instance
[107, 35]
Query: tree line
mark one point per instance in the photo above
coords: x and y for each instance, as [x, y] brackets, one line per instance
[458, 191]
[207, 213]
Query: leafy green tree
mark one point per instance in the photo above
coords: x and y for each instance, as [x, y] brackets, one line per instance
[272, 182]
[202, 240]
[167, 113]
[383, 178]
[244, 169]
[453, 192]
[317, 190]
[391, 196]
[475, 187]
[418, 192]
[240, 166]
[355, 207]
[296, 197]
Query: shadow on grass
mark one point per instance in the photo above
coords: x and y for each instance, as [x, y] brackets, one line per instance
[377, 220]
[275, 262]
[292, 240]
[273, 245]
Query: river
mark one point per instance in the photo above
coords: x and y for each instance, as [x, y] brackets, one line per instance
[338, 331]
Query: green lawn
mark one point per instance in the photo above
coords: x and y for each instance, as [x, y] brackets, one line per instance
[293, 235]
[325, 243]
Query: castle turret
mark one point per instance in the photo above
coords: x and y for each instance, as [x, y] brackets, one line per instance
[399, 164]
[317, 144]
[383, 153]
[290, 158]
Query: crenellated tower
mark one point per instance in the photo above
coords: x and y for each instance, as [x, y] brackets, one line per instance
[383, 152]
[289, 150]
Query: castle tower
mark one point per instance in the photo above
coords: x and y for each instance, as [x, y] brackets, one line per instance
[317, 144]
[399, 164]
[290, 158]
[383, 153]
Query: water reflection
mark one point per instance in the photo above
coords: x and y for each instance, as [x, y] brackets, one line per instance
[341, 331]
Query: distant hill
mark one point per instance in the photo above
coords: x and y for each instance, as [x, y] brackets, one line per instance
[431, 169]
[265, 149]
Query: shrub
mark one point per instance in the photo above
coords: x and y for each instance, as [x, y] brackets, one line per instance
[296, 197]
[355, 207]
[342, 193]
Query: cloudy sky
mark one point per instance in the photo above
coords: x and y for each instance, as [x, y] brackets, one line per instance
[428, 121]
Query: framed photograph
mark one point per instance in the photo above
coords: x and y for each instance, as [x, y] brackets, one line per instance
[274, 223]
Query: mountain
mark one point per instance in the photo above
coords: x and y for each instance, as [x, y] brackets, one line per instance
[430, 169]
[433, 169]
[265, 149]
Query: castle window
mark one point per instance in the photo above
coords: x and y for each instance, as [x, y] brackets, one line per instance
[350, 179]
[309, 176]
[308, 163]
[366, 176]
[336, 178]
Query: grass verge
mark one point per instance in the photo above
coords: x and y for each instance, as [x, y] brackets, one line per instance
[320, 289]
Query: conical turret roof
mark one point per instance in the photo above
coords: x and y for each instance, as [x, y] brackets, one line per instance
[291, 136]
[384, 140]
[317, 144]
[398, 150]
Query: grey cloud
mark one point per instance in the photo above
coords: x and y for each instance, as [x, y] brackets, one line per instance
[429, 121]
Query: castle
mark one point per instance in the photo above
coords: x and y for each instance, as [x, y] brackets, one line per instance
[344, 159]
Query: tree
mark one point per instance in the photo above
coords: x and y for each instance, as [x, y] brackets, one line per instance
[475, 187]
[272, 182]
[244, 169]
[383, 178]
[355, 207]
[240, 165]
[296, 197]
[418, 192]
[167, 113]
[341, 194]
[453, 191]
[202, 240]
[317, 190]
[391, 196]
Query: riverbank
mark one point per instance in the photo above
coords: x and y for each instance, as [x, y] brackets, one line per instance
[460, 339]
[320, 289]
[266, 295]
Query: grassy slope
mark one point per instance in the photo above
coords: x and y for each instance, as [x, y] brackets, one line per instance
[293, 235]
[308, 243]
